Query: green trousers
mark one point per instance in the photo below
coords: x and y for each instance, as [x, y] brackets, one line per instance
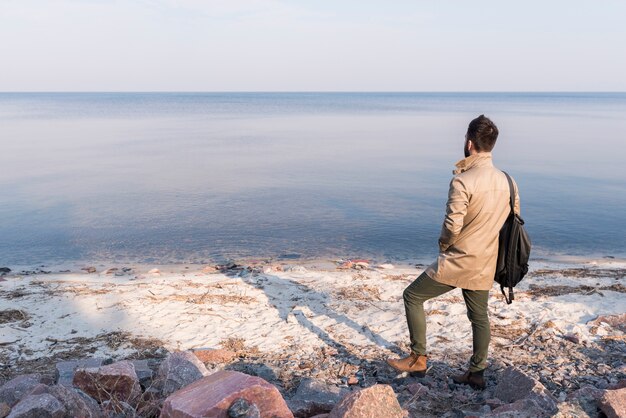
[424, 288]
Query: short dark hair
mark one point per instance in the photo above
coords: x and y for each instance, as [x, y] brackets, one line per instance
[483, 133]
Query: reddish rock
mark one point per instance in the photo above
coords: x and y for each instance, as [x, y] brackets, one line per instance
[178, 370]
[15, 389]
[374, 402]
[211, 396]
[116, 381]
[40, 406]
[516, 386]
[352, 380]
[613, 403]
[214, 355]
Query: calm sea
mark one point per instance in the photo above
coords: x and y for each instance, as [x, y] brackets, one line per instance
[197, 177]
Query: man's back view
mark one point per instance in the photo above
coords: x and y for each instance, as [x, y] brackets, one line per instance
[478, 205]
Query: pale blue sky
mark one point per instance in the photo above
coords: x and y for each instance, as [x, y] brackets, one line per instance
[273, 45]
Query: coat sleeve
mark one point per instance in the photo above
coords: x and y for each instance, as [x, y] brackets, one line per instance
[456, 209]
[517, 203]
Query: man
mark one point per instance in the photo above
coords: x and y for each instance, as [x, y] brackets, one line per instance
[477, 207]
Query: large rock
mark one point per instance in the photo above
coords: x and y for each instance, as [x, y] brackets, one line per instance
[523, 392]
[38, 406]
[77, 404]
[65, 369]
[15, 389]
[374, 402]
[178, 370]
[117, 381]
[213, 395]
[587, 398]
[313, 397]
[613, 403]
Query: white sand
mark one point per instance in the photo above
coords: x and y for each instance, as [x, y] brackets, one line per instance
[304, 307]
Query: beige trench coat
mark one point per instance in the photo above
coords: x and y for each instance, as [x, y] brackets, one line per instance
[478, 205]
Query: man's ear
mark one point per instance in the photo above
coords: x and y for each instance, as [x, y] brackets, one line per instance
[470, 145]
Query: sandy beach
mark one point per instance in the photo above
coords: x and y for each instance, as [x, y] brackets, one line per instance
[290, 312]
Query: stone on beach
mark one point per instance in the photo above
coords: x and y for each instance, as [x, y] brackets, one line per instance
[90, 269]
[17, 388]
[241, 408]
[179, 369]
[117, 381]
[40, 406]
[65, 369]
[77, 403]
[213, 396]
[523, 394]
[314, 396]
[613, 403]
[373, 402]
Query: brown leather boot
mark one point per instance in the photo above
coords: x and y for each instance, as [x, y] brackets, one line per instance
[414, 364]
[474, 379]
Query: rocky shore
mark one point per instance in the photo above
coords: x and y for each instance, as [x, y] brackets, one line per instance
[274, 339]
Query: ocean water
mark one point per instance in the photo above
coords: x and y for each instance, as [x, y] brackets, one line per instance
[195, 177]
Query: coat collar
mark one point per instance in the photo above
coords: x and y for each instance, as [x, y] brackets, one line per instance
[481, 159]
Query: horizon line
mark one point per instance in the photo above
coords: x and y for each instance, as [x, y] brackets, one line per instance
[316, 91]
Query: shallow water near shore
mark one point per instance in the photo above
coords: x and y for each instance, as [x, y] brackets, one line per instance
[179, 178]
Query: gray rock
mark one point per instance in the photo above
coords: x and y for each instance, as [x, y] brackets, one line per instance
[118, 409]
[17, 388]
[65, 369]
[178, 370]
[315, 396]
[144, 372]
[38, 406]
[76, 402]
[241, 408]
[525, 392]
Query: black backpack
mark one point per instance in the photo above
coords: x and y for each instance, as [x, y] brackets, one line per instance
[513, 250]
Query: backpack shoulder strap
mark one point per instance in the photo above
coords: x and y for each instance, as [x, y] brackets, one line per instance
[512, 192]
